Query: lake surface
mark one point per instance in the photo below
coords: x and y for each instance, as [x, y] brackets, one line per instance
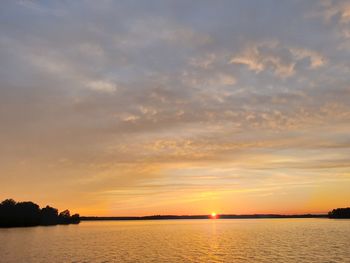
[225, 240]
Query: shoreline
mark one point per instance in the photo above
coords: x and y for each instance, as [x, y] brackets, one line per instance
[182, 217]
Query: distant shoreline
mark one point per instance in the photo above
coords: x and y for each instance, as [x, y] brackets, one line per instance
[168, 217]
[26, 214]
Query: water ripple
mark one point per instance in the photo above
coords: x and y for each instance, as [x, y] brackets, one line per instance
[274, 240]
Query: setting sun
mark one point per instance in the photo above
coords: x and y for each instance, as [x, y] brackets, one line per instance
[213, 215]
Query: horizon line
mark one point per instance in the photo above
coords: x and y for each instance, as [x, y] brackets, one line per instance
[209, 215]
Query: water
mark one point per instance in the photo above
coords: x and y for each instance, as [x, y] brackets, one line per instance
[229, 240]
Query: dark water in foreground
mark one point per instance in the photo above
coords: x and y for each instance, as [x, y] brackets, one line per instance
[229, 240]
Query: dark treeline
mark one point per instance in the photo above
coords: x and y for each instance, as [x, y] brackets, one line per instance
[340, 213]
[18, 214]
[223, 216]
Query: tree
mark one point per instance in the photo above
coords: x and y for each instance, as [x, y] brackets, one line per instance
[14, 214]
[49, 216]
[64, 217]
[27, 213]
[340, 213]
[75, 219]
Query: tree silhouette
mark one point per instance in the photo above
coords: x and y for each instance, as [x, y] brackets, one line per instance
[64, 217]
[27, 213]
[49, 216]
[340, 213]
[14, 214]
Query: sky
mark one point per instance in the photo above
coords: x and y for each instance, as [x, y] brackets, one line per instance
[176, 107]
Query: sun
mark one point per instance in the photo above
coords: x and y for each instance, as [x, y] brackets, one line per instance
[213, 215]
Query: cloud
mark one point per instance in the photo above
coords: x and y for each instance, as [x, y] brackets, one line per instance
[331, 9]
[335, 13]
[123, 101]
[271, 55]
[102, 85]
